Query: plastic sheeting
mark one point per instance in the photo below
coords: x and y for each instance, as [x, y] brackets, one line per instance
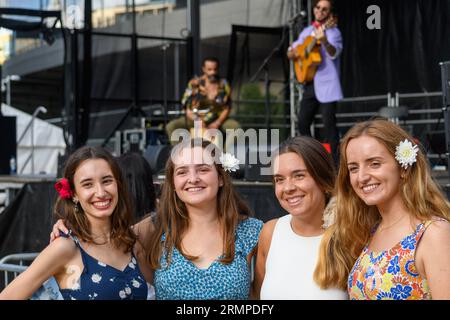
[48, 143]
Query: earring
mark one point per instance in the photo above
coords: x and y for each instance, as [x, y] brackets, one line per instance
[76, 208]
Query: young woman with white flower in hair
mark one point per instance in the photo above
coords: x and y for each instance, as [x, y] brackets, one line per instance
[288, 248]
[95, 260]
[201, 243]
[391, 237]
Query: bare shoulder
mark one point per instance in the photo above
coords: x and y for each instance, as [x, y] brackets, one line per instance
[55, 255]
[64, 247]
[437, 234]
[267, 231]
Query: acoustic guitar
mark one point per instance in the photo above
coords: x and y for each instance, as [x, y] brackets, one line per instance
[308, 55]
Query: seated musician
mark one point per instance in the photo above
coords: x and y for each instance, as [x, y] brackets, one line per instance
[206, 99]
[324, 90]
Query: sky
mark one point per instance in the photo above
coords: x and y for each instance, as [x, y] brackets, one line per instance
[35, 4]
[28, 4]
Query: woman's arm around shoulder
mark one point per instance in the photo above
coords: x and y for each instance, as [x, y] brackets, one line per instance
[265, 238]
[433, 256]
[143, 230]
[48, 263]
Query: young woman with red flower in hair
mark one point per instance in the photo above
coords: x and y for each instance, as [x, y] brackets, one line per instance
[96, 259]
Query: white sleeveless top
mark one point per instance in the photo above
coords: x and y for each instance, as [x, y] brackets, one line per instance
[290, 265]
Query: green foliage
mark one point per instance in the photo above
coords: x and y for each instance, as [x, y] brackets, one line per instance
[252, 109]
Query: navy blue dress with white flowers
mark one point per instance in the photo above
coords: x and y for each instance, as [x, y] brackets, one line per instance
[99, 281]
[183, 280]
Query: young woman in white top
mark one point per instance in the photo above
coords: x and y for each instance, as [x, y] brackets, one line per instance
[304, 177]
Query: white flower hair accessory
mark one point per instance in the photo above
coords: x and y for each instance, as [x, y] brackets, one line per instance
[329, 214]
[229, 162]
[406, 153]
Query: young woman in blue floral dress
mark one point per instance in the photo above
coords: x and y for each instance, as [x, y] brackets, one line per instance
[202, 240]
[95, 260]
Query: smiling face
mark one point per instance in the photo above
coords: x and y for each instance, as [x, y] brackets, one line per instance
[322, 10]
[374, 173]
[196, 179]
[295, 189]
[96, 188]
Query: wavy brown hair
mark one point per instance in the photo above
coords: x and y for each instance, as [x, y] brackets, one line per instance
[172, 218]
[121, 234]
[344, 240]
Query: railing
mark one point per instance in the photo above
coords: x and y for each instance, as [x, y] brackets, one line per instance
[7, 267]
[31, 125]
[427, 115]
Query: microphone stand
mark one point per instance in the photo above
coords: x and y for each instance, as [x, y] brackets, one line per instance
[292, 80]
[265, 66]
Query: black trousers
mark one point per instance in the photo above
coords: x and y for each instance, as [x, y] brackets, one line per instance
[309, 106]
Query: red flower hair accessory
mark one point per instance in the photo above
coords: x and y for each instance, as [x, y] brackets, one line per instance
[63, 188]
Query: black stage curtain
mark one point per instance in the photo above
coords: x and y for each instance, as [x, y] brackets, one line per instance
[262, 200]
[26, 223]
[403, 56]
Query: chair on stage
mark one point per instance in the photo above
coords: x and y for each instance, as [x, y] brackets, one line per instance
[396, 114]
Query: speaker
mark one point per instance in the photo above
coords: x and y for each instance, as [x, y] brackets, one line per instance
[445, 77]
[257, 163]
[157, 156]
[8, 144]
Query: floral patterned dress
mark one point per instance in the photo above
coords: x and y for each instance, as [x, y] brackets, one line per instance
[99, 281]
[183, 280]
[390, 274]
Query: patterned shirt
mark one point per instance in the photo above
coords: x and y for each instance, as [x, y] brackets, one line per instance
[99, 281]
[183, 280]
[196, 97]
[390, 274]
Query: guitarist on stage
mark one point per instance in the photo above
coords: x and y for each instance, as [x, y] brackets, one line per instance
[324, 90]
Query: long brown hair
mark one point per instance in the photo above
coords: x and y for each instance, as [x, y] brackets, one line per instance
[121, 234]
[172, 218]
[344, 241]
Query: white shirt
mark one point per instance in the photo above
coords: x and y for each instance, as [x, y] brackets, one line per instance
[290, 265]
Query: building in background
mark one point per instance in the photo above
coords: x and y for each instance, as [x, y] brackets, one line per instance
[5, 44]
[41, 65]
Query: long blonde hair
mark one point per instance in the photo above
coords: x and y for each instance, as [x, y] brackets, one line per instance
[343, 242]
[172, 218]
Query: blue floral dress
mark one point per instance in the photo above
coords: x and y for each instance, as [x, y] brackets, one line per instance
[183, 280]
[100, 281]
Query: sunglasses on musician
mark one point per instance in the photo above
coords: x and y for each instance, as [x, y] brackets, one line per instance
[323, 9]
